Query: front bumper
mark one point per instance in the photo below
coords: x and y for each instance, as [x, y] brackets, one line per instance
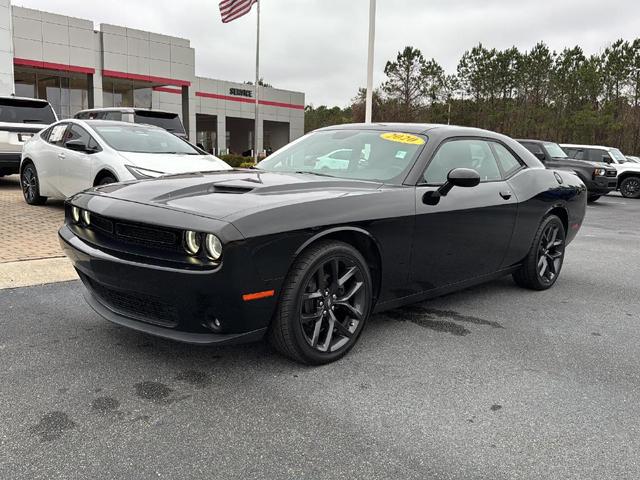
[602, 185]
[173, 303]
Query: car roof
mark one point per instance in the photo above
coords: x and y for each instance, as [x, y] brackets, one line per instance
[418, 128]
[124, 110]
[13, 97]
[529, 140]
[116, 123]
[584, 146]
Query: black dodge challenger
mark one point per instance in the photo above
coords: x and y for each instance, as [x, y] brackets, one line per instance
[341, 223]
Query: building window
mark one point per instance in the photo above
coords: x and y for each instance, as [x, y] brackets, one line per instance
[66, 92]
[125, 93]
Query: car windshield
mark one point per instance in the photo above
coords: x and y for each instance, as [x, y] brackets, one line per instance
[554, 150]
[17, 110]
[142, 139]
[617, 155]
[168, 121]
[363, 155]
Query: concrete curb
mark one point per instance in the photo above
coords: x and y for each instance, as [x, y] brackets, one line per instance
[36, 272]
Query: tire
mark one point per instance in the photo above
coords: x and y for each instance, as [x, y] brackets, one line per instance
[106, 180]
[593, 198]
[630, 187]
[543, 263]
[320, 315]
[31, 185]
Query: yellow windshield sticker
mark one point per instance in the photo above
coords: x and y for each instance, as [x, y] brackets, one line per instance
[402, 138]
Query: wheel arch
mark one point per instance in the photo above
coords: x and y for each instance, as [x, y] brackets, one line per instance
[359, 239]
[624, 175]
[104, 172]
[562, 213]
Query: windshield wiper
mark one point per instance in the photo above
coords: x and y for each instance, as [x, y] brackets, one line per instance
[314, 173]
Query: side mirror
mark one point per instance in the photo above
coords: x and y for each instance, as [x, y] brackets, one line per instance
[76, 145]
[458, 177]
[607, 159]
[540, 156]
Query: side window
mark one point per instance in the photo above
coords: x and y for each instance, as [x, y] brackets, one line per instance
[580, 154]
[507, 161]
[475, 154]
[533, 148]
[45, 134]
[56, 136]
[77, 133]
[111, 116]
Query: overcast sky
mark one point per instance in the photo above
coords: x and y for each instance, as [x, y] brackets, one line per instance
[319, 46]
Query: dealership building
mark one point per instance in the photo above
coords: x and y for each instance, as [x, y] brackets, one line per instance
[74, 66]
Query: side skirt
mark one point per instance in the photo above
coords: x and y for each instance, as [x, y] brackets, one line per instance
[437, 292]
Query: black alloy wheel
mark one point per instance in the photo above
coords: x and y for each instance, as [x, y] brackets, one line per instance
[31, 185]
[333, 304]
[630, 187]
[324, 304]
[593, 198]
[550, 253]
[541, 267]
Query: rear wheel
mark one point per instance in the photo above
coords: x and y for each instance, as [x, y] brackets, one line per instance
[324, 304]
[31, 185]
[542, 265]
[106, 180]
[630, 187]
[593, 198]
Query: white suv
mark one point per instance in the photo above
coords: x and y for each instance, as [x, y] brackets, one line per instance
[20, 119]
[628, 171]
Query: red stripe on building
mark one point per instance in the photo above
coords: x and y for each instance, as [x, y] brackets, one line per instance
[145, 78]
[24, 62]
[167, 90]
[249, 100]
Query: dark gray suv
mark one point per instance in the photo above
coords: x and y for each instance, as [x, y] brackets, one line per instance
[599, 177]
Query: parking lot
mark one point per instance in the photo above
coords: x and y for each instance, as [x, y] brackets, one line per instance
[494, 382]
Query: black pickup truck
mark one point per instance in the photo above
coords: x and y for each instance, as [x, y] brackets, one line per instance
[599, 177]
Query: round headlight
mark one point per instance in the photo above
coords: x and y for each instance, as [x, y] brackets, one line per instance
[86, 217]
[191, 242]
[75, 214]
[213, 246]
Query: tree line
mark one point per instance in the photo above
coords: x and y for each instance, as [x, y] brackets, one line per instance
[562, 96]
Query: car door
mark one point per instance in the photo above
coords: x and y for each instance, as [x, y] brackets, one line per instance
[76, 166]
[468, 232]
[49, 160]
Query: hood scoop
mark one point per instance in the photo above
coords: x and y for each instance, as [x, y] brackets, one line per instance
[202, 190]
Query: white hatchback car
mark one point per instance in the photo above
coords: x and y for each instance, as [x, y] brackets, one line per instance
[73, 155]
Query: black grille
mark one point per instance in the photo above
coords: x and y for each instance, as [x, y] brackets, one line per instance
[137, 234]
[140, 306]
[612, 173]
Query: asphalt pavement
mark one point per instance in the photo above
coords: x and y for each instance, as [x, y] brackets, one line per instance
[494, 382]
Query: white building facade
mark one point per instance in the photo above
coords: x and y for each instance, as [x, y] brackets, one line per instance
[74, 66]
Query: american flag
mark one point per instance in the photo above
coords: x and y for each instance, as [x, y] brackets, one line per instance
[232, 9]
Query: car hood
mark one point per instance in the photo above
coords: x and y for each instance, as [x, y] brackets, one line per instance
[174, 163]
[573, 161]
[227, 195]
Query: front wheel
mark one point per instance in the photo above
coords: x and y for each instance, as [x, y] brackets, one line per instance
[31, 185]
[593, 198]
[106, 180]
[543, 263]
[630, 187]
[324, 304]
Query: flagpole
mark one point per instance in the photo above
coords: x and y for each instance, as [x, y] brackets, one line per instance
[372, 34]
[255, 133]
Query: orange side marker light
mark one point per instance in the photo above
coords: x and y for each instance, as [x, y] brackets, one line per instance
[247, 297]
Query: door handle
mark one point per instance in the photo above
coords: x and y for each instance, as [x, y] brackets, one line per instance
[61, 155]
[506, 194]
